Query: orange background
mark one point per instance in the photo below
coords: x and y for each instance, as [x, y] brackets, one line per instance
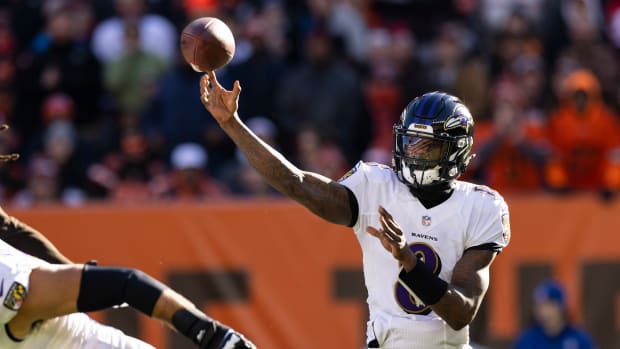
[289, 256]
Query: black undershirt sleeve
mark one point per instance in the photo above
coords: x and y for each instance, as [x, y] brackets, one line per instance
[354, 207]
[491, 246]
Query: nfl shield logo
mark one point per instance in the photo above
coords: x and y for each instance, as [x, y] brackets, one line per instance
[426, 221]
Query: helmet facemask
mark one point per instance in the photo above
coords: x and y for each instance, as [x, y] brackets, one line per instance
[423, 158]
[433, 140]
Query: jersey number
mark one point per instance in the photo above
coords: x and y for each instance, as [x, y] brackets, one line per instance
[426, 254]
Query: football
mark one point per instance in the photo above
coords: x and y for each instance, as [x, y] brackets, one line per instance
[207, 44]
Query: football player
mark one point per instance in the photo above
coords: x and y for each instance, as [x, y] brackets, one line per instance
[42, 305]
[441, 234]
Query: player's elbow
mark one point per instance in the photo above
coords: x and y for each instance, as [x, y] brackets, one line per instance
[463, 315]
[460, 322]
[458, 325]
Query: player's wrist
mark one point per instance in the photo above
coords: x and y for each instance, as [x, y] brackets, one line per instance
[230, 120]
[408, 260]
[424, 283]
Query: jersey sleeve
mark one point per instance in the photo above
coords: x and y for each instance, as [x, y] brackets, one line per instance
[14, 283]
[355, 181]
[367, 181]
[364, 180]
[490, 224]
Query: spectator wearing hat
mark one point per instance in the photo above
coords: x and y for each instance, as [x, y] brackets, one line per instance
[189, 178]
[585, 137]
[512, 149]
[552, 328]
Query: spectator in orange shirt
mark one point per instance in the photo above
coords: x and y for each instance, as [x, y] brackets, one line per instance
[512, 152]
[585, 137]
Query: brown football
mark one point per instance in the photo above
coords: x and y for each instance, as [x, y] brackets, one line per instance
[207, 44]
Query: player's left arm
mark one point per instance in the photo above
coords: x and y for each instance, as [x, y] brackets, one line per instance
[458, 301]
[465, 292]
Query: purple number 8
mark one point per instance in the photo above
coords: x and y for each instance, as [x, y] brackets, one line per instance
[426, 254]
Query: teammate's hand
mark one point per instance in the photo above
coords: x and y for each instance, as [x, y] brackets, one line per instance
[235, 340]
[393, 239]
[221, 103]
[225, 338]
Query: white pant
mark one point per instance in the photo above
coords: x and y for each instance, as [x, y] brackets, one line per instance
[75, 331]
[404, 333]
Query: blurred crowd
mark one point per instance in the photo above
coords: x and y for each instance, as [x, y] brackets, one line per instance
[102, 106]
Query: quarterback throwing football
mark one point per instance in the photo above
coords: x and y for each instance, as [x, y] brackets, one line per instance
[441, 234]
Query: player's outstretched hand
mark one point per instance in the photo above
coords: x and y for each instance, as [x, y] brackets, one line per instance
[393, 239]
[221, 103]
[226, 338]
[235, 340]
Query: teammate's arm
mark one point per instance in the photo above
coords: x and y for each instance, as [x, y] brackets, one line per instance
[456, 302]
[56, 290]
[326, 198]
[28, 240]
[23, 237]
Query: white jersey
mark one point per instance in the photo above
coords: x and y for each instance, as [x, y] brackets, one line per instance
[74, 331]
[473, 217]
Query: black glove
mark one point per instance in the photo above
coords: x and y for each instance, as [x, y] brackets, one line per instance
[226, 337]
